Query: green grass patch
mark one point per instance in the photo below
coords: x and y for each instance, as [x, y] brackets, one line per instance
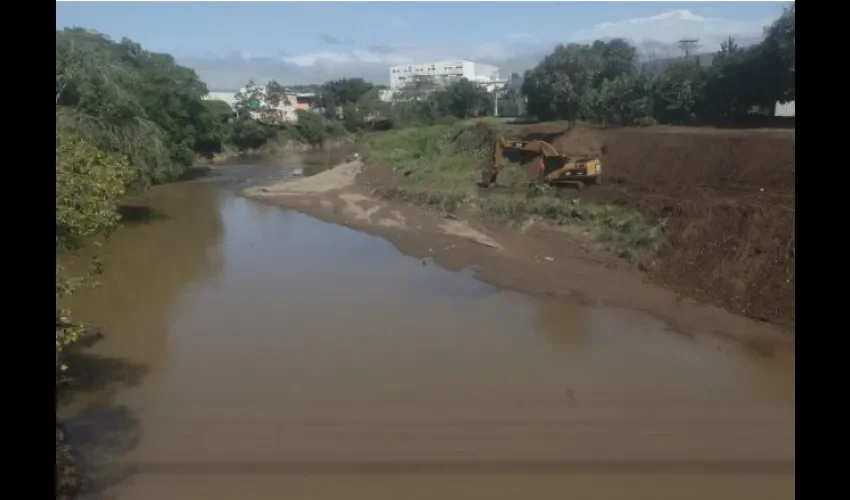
[621, 231]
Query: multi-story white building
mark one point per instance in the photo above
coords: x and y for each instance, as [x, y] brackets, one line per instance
[444, 72]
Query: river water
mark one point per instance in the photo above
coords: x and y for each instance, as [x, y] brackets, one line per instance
[254, 352]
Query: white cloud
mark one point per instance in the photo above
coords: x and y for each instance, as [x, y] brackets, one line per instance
[668, 27]
[312, 59]
[353, 57]
[397, 21]
[654, 36]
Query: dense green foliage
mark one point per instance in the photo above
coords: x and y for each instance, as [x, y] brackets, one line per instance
[89, 183]
[247, 133]
[139, 104]
[599, 82]
[337, 94]
[125, 118]
[311, 127]
[424, 102]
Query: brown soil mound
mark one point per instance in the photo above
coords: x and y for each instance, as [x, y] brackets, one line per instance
[580, 142]
[723, 160]
[728, 200]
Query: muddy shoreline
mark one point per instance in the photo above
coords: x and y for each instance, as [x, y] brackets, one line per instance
[545, 261]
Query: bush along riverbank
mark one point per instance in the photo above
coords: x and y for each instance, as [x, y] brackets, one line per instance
[126, 118]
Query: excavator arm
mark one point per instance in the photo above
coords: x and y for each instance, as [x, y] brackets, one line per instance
[543, 149]
[566, 170]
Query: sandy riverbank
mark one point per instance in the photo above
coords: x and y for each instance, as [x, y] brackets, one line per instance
[542, 261]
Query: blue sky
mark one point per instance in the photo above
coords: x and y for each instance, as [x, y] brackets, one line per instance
[367, 35]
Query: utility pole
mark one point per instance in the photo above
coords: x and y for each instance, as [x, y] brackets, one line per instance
[688, 45]
[496, 103]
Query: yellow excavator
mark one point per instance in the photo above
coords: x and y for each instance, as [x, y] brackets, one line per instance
[552, 166]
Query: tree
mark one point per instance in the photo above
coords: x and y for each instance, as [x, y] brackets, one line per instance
[353, 119]
[728, 49]
[622, 101]
[311, 126]
[557, 86]
[369, 107]
[337, 93]
[417, 89]
[743, 82]
[249, 100]
[213, 128]
[247, 133]
[679, 93]
[372, 106]
[464, 99]
[780, 48]
[617, 59]
[121, 98]
[273, 94]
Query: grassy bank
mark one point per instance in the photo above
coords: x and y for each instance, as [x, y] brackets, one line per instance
[438, 166]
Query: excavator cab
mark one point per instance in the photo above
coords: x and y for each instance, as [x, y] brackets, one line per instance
[552, 167]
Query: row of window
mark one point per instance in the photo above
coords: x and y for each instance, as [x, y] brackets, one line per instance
[410, 69]
[404, 78]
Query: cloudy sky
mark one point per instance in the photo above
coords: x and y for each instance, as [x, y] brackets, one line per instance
[310, 42]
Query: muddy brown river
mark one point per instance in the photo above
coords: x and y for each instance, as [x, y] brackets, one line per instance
[253, 352]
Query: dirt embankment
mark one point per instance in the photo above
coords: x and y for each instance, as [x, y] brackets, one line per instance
[728, 198]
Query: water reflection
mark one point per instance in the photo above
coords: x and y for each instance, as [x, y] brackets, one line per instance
[313, 161]
[321, 160]
[565, 323]
[170, 241]
[103, 436]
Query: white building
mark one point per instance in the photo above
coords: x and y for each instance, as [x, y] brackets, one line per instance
[444, 72]
[284, 111]
[228, 97]
[785, 108]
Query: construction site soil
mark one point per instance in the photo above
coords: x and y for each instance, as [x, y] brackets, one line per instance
[727, 197]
